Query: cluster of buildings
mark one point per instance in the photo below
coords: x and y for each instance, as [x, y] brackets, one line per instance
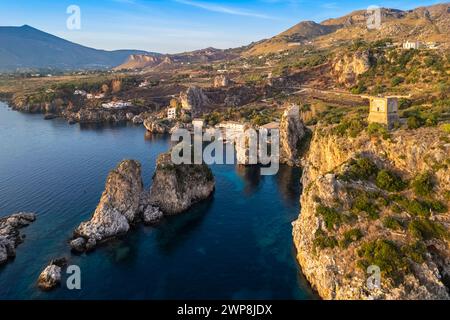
[116, 105]
[89, 95]
[419, 45]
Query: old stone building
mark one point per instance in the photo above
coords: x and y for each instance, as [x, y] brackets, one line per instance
[384, 111]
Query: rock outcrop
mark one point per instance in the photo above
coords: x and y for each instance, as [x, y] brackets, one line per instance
[10, 236]
[125, 203]
[156, 126]
[292, 132]
[177, 187]
[50, 277]
[221, 81]
[349, 220]
[117, 210]
[348, 67]
[194, 100]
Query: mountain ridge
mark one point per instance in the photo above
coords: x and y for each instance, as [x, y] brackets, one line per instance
[25, 47]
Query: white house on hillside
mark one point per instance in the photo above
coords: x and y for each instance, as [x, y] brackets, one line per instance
[172, 113]
[412, 45]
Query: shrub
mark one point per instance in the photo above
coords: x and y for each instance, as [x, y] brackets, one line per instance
[389, 181]
[415, 122]
[447, 195]
[423, 184]
[361, 169]
[446, 128]
[350, 237]
[360, 88]
[392, 223]
[416, 252]
[427, 230]
[404, 103]
[386, 255]
[396, 81]
[419, 208]
[330, 216]
[363, 204]
[377, 129]
[322, 241]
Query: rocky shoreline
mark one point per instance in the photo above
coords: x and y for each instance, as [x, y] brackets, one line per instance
[10, 237]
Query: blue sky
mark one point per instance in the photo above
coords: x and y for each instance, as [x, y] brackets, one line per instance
[171, 26]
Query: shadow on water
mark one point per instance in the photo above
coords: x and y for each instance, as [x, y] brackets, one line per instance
[251, 176]
[176, 229]
[288, 180]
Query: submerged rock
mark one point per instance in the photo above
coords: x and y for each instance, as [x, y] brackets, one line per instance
[118, 207]
[177, 187]
[10, 236]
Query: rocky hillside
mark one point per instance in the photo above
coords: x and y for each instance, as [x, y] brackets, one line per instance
[425, 23]
[151, 62]
[381, 201]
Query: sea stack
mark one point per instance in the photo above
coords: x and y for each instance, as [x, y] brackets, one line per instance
[177, 187]
[117, 210]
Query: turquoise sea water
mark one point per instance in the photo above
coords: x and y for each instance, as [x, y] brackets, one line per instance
[237, 245]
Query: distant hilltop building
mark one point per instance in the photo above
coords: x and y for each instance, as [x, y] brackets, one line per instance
[412, 45]
[384, 111]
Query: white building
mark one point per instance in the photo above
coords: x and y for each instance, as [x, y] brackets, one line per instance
[143, 84]
[200, 123]
[172, 113]
[80, 93]
[412, 45]
[116, 105]
[232, 125]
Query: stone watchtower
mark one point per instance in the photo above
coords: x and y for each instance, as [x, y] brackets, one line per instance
[384, 111]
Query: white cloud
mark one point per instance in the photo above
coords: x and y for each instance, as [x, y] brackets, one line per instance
[223, 9]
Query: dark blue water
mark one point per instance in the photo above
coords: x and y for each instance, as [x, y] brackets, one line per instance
[238, 245]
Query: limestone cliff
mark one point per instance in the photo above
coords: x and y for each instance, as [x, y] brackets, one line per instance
[347, 67]
[292, 132]
[177, 187]
[221, 81]
[364, 203]
[194, 100]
